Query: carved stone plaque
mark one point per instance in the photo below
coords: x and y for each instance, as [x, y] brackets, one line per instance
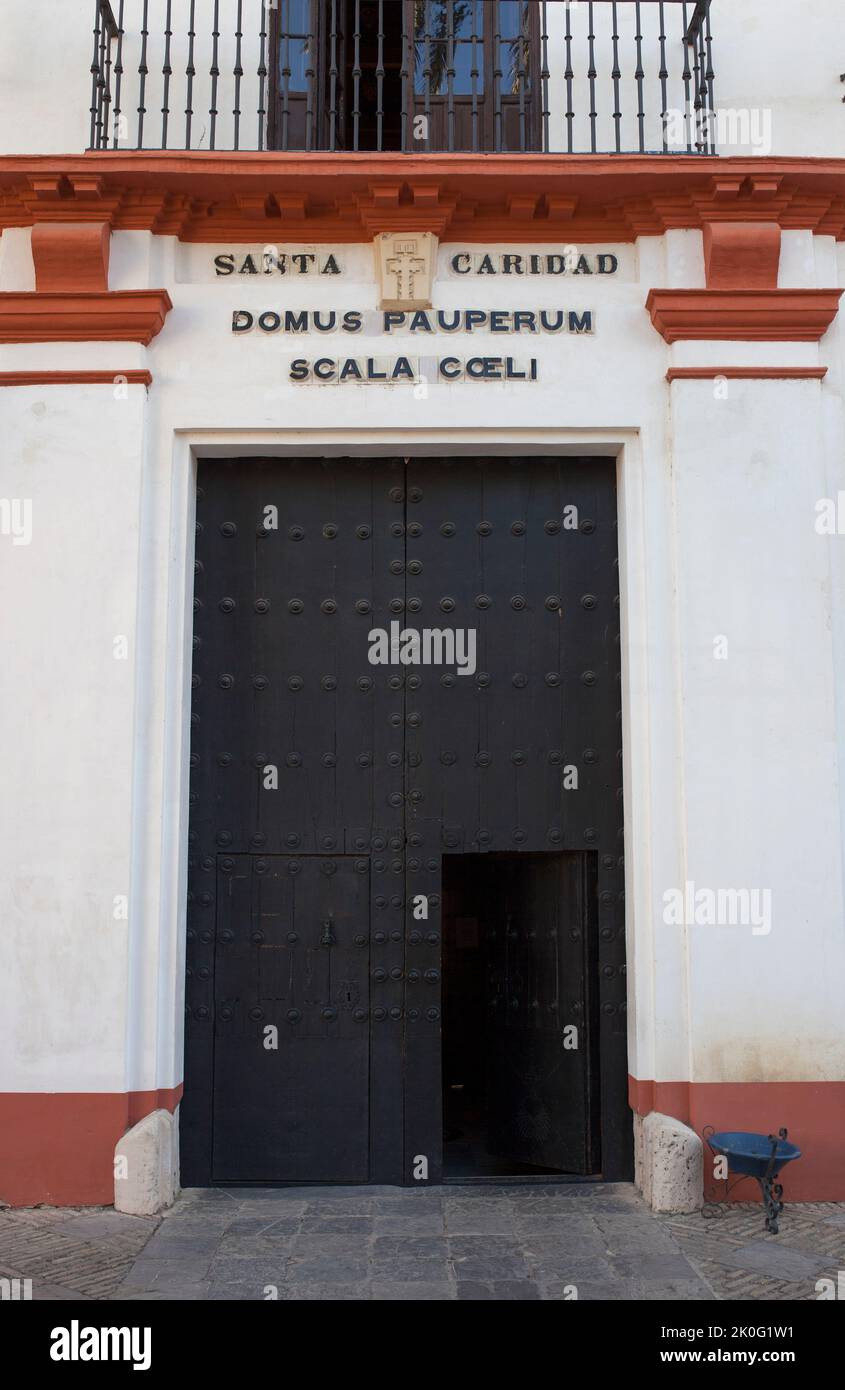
[405, 267]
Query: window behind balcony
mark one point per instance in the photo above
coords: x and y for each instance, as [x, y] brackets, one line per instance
[412, 75]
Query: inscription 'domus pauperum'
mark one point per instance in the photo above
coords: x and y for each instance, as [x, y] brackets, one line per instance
[372, 322]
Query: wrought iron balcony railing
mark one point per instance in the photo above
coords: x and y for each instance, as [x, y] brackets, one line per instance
[550, 76]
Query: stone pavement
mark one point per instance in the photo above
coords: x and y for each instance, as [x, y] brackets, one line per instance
[485, 1242]
[740, 1260]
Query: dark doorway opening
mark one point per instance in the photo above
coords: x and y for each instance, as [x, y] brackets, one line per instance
[520, 1045]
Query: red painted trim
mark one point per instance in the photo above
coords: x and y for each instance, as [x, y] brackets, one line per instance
[58, 1148]
[345, 197]
[132, 378]
[129, 316]
[667, 1097]
[143, 1103]
[71, 255]
[741, 255]
[796, 316]
[747, 373]
[813, 1112]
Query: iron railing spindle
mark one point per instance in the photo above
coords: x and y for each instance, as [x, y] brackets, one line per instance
[167, 73]
[238, 73]
[215, 77]
[262, 75]
[617, 74]
[190, 74]
[592, 73]
[142, 73]
[356, 79]
[118, 77]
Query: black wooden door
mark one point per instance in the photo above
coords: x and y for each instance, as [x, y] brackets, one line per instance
[306, 754]
[291, 1003]
[296, 751]
[523, 755]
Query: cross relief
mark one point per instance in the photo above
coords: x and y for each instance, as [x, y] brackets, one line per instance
[405, 264]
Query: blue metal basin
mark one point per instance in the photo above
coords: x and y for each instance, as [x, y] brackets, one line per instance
[752, 1153]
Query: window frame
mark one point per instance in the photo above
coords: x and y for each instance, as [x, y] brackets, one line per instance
[309, 110]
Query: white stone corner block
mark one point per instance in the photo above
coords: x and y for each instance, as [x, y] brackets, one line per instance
[146, 1165]
[642, 1176]
[671, 1165]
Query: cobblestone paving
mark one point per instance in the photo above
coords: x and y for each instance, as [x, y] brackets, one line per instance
[505, 1243]
[67, 1252]
[740, 1260]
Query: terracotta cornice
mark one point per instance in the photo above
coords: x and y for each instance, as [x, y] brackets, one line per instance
[130, 316]
[796, 316]
[747, 373]
[130, 377]
[320, 197]
[405, 207]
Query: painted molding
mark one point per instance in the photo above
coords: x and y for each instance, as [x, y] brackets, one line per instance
[384, 209]
[741, 255]
[129, 316]
[345, 197]
[61, 378]
[747, 373]
[796, 316]
[71, 256]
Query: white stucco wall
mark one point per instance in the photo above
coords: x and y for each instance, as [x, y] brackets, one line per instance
[776, 66]
[67, 730]
[733, 769]
[762, 752]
